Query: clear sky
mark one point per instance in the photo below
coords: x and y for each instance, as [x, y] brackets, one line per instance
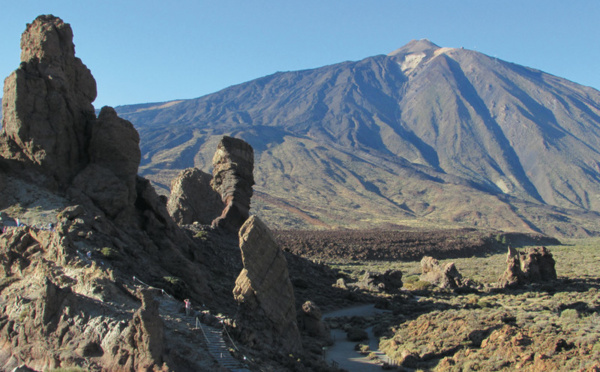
[157, 50]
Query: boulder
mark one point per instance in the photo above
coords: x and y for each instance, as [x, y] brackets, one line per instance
[264, 292]
[192, 198]
[233, 167]
[47, 103]
[443, 277]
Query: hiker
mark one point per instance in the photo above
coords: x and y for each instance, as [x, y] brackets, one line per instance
[188, 306]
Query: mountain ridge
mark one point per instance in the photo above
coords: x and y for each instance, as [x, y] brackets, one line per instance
[457, 120]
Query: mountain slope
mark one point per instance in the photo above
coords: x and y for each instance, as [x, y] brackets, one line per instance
[424, 135]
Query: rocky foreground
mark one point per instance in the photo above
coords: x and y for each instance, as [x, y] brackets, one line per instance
[94, 265]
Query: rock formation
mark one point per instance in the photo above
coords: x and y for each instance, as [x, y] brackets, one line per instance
[390, 281]
[310, 320]
[47, 103]
[539, 265]
[110, 178]
[142, 346]
[75, 288]
[513, 275]
[67, 290]
[264, 291]
[443, 277]
[233, 179]
[536, 266]
[192, 198]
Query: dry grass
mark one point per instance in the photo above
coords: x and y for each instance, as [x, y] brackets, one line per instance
[550, 326]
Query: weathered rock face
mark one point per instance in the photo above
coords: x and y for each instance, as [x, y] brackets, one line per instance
[264, 292]
[110, 178]
[193, 199]
[47, 102]
[143, 344]
[443, 277]
[233, 179]
[535, 266]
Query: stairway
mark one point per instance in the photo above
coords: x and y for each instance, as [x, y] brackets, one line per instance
[218, 349]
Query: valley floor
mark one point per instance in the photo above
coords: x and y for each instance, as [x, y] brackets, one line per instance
[548, 326]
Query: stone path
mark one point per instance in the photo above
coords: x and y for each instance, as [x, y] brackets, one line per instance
[342, 351]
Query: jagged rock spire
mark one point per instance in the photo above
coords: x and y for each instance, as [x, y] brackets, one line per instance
[47, 102]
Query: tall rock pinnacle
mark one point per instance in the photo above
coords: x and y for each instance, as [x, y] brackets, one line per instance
[233, 179]
[47, 102]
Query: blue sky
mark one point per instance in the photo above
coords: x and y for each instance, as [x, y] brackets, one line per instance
[151, 51]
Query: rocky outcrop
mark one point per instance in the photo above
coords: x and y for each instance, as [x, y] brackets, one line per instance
[67, 292]
[446, 276]
[192, 198]
[264, 292]
[536, 265]
[142, 346]
[47, 103]
[513, 275]
[110, 178]
[390, 281]
[233, 179]
[310, 320]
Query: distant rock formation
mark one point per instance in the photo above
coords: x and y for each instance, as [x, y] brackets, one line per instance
[264, 292]
[443, 277]
[47, 103]
[390, 281]
[192, 198]
[536, 265]
[233, 179]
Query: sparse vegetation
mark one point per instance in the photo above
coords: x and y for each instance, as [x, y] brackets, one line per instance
[109, 253]
[202, 235]
[550, 326]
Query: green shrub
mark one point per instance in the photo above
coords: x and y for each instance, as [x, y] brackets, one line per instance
[201, 235]
[569, 314]
[109, 253]
[172, 280]
[419, 285]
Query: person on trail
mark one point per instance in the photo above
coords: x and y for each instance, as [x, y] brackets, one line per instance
[188, 306]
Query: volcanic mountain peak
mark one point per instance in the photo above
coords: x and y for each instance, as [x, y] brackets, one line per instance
[415, 46]
[415, 53]
[444, 135]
